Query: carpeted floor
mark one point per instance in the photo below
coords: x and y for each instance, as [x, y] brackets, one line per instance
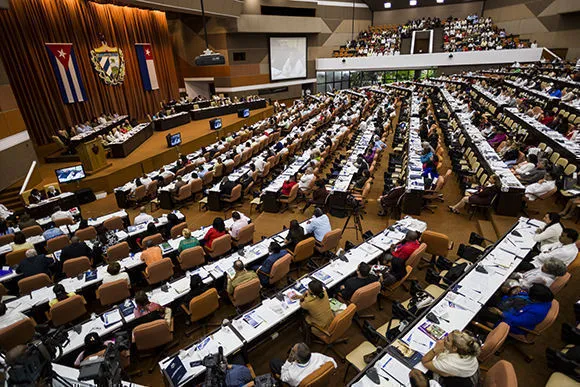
[457, 227]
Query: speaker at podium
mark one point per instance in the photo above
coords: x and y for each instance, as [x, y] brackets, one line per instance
[93, 156]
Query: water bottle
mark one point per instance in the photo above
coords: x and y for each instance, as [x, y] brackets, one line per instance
[226, 325]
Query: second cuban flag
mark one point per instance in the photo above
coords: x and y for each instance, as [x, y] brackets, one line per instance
[147, 66]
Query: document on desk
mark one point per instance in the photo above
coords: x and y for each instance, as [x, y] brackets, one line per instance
[419, 341]
[463, 302]
[369, 249]
[322, 277]
[161, 297]
[503, 258]
[393, 368]
[253, 319]
[111, 317]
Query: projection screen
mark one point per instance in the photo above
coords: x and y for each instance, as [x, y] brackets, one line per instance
[287, 58]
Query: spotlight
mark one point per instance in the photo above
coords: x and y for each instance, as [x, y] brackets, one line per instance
[450, 56]
[343, 60]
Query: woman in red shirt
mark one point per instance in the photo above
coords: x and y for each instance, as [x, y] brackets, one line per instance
[287, 186]
[217, 230]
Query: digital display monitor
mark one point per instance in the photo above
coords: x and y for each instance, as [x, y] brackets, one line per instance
[215, 124]
[173, 139]
[244, 113]
[70, 174]
[288, 58]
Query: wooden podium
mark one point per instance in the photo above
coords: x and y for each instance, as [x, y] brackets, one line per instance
[93, 156]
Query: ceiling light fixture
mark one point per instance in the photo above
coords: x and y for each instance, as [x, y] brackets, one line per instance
[440, 1]
[412, 3]
[387, 5]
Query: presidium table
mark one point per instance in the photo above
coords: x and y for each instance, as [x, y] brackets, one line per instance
[215, 111]
[139, 135]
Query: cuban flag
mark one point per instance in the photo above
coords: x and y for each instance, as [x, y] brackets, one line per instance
[66, 70]
[147, 66]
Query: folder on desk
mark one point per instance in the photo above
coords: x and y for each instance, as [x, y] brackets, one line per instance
[176, 370]
[90, 275]
[127, 308]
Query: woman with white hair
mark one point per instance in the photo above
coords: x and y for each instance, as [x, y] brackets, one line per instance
[545, 275]
[454, 357]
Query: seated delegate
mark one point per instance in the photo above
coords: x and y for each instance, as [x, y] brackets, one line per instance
[275, 253]
[301, 362]
[363, 278]
[454, 357]
[242, 275]
[531, 309]
[318, 225]
[295, 234]
[405, 248]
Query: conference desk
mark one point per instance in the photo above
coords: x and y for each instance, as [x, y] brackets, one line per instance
[555, 140]
[510, 197]
[488, 97]
[562, 82]
[246, 330]
[187, 106]
[114, 319]
[97, 130]
[457, 306]
[138, 135]
[337, 201]
[39, 242]
[171, 121]
[44, 208]
[270, 194]
[415, 185]
[542, 98]
[215, 111]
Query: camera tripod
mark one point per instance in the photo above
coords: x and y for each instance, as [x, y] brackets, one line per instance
[357, 218]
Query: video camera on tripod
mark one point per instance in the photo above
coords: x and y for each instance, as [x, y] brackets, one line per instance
[33, 363]
[216, 367]
[105, 371]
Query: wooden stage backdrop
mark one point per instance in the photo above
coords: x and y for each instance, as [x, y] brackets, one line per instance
[154, 153]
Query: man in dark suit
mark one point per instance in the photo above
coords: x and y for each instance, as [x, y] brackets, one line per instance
[227, 186]
[76, 249]
[35, 264]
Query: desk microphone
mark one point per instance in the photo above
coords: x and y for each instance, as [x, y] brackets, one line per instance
[373, 375]
[516, 233]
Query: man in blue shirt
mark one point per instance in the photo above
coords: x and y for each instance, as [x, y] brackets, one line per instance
[238, 375]
[263, 271]
[52, 233]
[319, 225]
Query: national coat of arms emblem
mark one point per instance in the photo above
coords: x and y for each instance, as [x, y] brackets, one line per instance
[109, 63]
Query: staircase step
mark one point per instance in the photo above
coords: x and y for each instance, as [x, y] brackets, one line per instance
[501, 223]
[486, 230]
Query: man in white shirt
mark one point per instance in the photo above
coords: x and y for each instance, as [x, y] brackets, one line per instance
[300, 363]
[143, 217]
[306, 179]
[319, 225]
[259, 164]
[114, 273]
[240, 221]
[565, 250]
[547, 184]
[60, 214]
